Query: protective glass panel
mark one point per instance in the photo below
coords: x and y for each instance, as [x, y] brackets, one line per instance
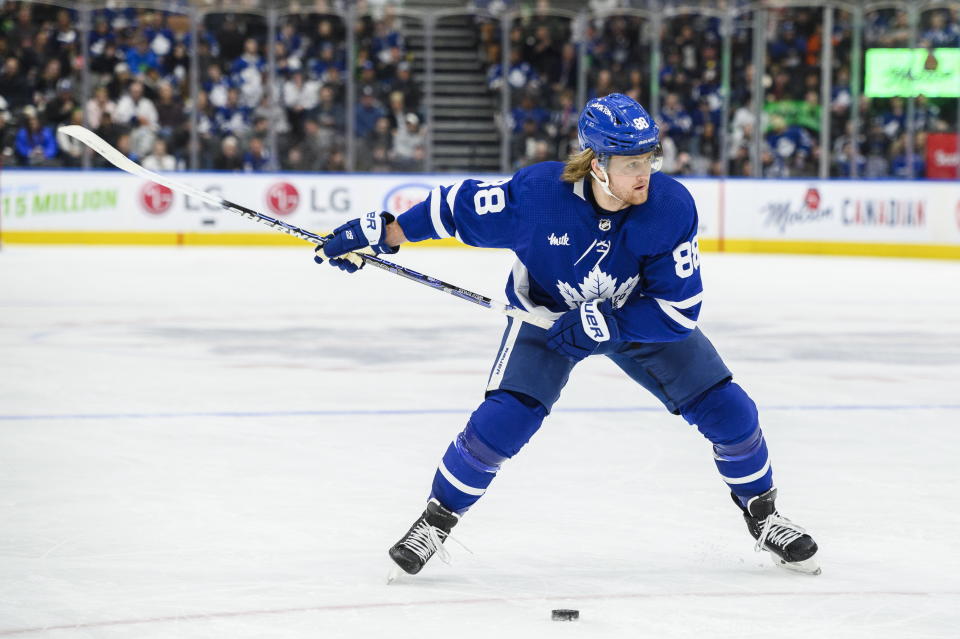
[791, 130]
[41, 84]
[884, 143]
[466, 93]
[311, 53]
[233, 110]
[691, 103]
[390, 113]
[542, 80]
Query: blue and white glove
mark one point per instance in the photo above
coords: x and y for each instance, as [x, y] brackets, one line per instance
[580, 331]
[367, 232]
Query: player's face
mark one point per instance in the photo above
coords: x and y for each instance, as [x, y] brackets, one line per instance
[630, 177]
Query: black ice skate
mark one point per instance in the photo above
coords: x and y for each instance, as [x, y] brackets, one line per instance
[789, 544]
[425, 537]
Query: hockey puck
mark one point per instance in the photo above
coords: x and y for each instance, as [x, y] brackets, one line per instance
[564, 614]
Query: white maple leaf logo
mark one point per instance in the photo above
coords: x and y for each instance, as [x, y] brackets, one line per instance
[597, 285]
[623, 292]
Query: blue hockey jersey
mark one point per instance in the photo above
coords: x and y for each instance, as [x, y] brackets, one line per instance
[645, 258]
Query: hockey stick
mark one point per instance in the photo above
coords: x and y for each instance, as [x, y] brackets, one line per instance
[119, 160]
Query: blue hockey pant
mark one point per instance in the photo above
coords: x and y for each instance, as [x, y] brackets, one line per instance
[687, 376]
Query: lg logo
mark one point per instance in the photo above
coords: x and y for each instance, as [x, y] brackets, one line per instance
[283, 198]
[156, 198]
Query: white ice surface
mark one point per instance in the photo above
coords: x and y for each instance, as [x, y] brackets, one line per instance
[224, 443]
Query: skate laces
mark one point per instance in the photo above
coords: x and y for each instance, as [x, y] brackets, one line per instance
[425, 540]
[779, 531]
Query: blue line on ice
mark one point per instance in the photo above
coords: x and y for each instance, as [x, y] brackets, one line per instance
[458, 411]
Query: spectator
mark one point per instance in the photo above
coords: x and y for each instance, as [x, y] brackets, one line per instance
[335, 163]
[101, 35]
[903, 164]
[109, 130]
[99, 104]
[408, 140]
[14, 86]
[232, 118]
[71, 149]
[176, 66]
[380, 159]
[229, 158]
[367, 113]
[46, 84]
[159, 159]
[566, 71]
[940, 34]
[295, 161]
[8, 135]
[216, 86]
[326, 61]
[790, 146]
[59, 108]
[522, 144]
[675, 115]
[140, 57]
[405, 84]
[528, 111]
[539, 151]
[171, 119]
[142, 137]
[256, 158]
[157, 32]
[519, 76]
[328, 107]
[35, 143]
[314, 146]
[251, 58]
[229, 38]
[133, 106]
[300, 98]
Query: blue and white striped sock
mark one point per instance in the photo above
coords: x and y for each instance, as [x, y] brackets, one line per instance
[745, 466]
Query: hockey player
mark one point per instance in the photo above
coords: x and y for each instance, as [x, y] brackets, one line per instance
[607, 247]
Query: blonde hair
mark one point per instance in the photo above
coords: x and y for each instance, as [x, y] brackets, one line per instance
[578, 166]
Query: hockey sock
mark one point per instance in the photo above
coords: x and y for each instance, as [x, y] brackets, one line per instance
[727, 416]
[745, 466]
[497, 430]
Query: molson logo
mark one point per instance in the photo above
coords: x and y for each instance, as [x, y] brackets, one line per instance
[283, 198]
[402, 197]
[156, 198]
[883, 212]
[783, 215]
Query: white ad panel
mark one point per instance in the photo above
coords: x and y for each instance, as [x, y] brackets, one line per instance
[114, 201]
[841, 211]
[837, 211]
[706, 194]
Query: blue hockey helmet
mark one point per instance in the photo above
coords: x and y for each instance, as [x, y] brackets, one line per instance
[617, 125]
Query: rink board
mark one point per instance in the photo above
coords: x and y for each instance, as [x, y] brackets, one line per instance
[840, 217]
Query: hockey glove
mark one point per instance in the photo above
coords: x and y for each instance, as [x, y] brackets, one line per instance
[368, 232]
[579, 332]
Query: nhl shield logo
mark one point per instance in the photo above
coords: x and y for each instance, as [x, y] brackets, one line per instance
[605, 224]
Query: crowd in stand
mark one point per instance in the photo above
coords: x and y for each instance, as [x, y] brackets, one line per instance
[140, 98]
[543, 67]
[140, 102]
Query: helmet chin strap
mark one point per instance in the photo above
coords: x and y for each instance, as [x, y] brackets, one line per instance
[605, 184]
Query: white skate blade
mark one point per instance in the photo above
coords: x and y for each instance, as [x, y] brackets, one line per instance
[805, 567]
[394, 573]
